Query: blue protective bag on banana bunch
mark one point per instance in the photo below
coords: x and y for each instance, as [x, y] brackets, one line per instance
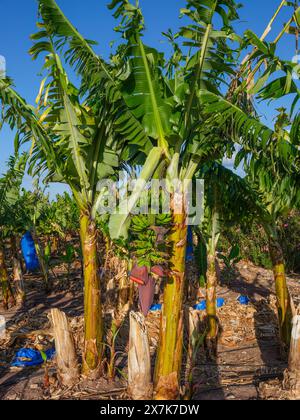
[29, 252]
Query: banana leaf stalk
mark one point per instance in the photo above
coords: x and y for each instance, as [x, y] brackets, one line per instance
[266, 32]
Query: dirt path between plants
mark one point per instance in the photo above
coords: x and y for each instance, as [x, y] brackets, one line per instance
[248, 362]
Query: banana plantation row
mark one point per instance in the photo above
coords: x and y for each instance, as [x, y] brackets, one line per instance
[166, 118]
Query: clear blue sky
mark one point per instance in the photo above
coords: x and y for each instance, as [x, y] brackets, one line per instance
[92, 18]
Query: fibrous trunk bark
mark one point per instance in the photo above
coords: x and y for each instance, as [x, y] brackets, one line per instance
[111, 342]
[139, 363]
[67, 363]
[93, 324]
[17, 272]
[169, 356]
[282, 293]
[7, 292]
[211, 296]
[124, 295]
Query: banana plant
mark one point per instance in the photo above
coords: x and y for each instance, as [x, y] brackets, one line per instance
[10, 185]
[273, 169]
[233, 258]
[167, 120]
[269, 192]
[189, 123]
[59, 219]
[22, 209]
[228, 199]
[177, 119]
[73, 141]
[213, 230]
[173, 115]
[275, 176]
[68, 258]
[28, 210]
[72, 144]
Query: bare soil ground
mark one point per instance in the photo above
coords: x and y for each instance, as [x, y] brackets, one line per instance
[249, 364]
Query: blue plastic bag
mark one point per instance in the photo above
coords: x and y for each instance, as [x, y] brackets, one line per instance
[29, 252]
[244, 300]
[156, 307]
[201, 306]
[220, 302]
[190, 246]
[33, 357]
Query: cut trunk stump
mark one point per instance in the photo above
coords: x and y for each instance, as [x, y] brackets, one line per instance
[139, 364]
[67, 363]
[292, 374]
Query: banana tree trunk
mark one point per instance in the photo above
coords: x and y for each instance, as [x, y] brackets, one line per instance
[4, 279]
[93, 324]
[212, 278]
[282, 293]
[169, 357]
[17, 272]
[211, 296]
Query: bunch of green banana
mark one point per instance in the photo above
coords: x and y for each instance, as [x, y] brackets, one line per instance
[163, 219]
[141, 222]
[145, 232]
